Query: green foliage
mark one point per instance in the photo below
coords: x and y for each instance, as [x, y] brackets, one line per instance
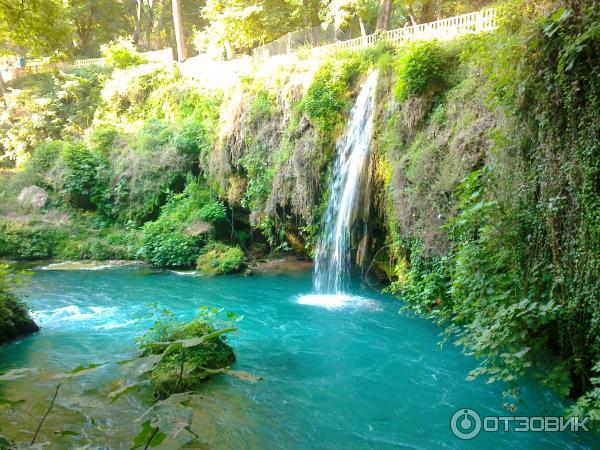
[262, 107]
[220, 259]
[128, 93]
[165, 245]
[329, 93]
[516, 284]
[37, 25]
[213, 212]
[121, 54]
[259, 175]
[420, 66]
[60, 105]
[14, 317]
[29, 242]
[244, 24]
[37, 167]
[190, 352]
[74, 174]
[175, 239]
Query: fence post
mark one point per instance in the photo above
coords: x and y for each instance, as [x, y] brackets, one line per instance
[289, 42]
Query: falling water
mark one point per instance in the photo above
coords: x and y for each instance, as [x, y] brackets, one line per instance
[333, 257]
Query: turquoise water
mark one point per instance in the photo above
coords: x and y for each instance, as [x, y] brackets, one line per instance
[356, 376]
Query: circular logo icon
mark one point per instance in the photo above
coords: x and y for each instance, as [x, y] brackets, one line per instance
[465, 424]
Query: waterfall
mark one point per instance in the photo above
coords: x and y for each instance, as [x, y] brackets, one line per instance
[333, 256]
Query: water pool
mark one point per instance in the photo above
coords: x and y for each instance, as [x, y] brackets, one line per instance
[354, 375]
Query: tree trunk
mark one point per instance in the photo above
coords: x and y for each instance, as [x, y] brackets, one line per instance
[426, 12]
[363, 31]
[385, 14]
[228, 50]
[179, 35]
[139, 11]
[2, 89]
[150, 25]
[411, 15]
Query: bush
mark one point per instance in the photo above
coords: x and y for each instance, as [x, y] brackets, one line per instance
[420, 66]
[121, 54]
[213, 212]
[29, 242]
[165, 245]
[329, 92]
[74, 174]
[184, 225]
[220, 259]
[56, 106]
[14, 317]
[185, 365]
[37, 167]
[142, 169]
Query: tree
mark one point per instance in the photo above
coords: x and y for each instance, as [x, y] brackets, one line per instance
[96, 22]
[139, 13]
[385, 14]
[179, 35]
[341, 12]
[34, 27]
[244, 24]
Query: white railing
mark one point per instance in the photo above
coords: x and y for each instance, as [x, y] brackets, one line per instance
[41, 66]
[444, 29]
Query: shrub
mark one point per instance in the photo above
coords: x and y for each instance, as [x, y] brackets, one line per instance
[60, 105]
[165, 245]
[37, 167]
[213, 212]
[329, 92]
[29, 241]
[74, 174]
[14, 317]
[184, 224]
[121, 54]
[142, 170]
[185, 365]
[420, 65]
[219, 259]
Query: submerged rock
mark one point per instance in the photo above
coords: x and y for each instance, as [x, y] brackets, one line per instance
[186, 362]
[33, 197]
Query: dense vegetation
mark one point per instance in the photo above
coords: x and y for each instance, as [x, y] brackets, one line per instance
[14, 317]
[485, 175]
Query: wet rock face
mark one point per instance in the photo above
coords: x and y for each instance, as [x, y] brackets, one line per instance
[33, 197]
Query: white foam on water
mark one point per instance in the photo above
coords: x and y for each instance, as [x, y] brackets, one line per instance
[335, 301]
[113, 325]
[74, 313]
[185, 273]
[88, 265]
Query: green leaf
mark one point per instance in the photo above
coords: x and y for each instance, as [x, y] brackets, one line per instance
[149, 436]
[116, 395]
[79, 371]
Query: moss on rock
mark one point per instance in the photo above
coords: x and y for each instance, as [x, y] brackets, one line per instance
[187, 367]
[219, 259]
[14, 317]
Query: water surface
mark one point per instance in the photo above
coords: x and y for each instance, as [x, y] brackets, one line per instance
[357, 375]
